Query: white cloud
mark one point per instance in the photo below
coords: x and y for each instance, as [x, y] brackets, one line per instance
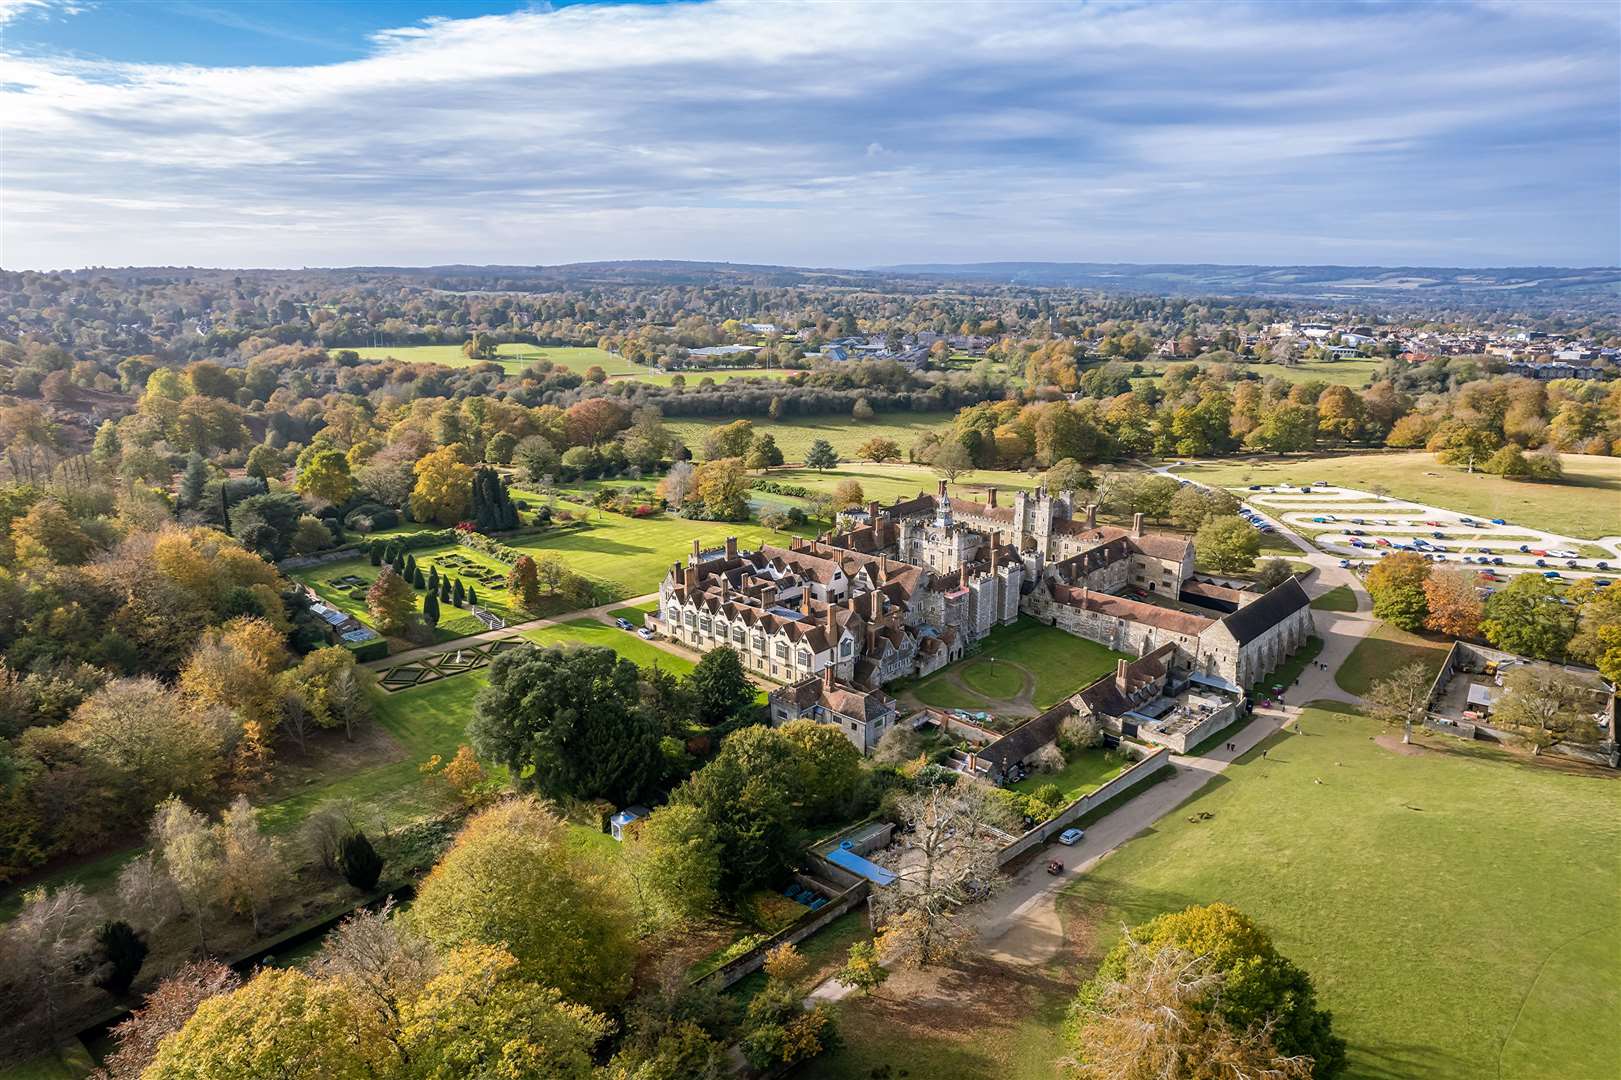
[770, 133]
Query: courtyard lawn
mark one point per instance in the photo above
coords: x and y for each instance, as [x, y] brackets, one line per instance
[1586, 504]
[794, 435]
[1339, 598]
[628, 557]
[1385, 649]
[1050, 663]
[1454, 907]
[1088, 772]
[513, 357]
[1290, 669]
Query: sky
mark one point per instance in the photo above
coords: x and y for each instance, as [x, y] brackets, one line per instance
[305, 133]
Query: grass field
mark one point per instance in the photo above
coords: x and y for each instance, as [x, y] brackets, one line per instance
[513, 357]
[1088, 772]
[1057, 663]
[887, 483]
[1455, 908]
[795, 435]
[1339, 598]
[1586, 504]
[694, 378]
[629, 556]
[1382, 652]
[1356, 373]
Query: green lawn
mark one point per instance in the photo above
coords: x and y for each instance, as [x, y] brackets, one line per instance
[1586, 504]
[630, 556]
[68, 1062]
[985, 676]
[452, 560]
[627, 645]
[637, 615]
[1456, 909]
[694, 378]
[825, 952]
[1088, 772]
[1385, 649]
[1059, 662]
[513, 357]
[1339, 598]
[794, 435]
[1291, 668]
[888, 483]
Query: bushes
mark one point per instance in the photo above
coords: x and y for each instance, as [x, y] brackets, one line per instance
[774, 488]
[360, 863]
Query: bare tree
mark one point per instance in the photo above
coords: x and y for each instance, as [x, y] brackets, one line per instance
[147, 894]
[1155, 1023]
[165, 1011]
[382, 963]
[44, 945]
[325, 830]
[1403, 698]
[1544, 703]
[952, 859]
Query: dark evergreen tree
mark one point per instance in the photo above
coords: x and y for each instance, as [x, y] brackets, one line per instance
[472, 596]
[569, 724]
[360, 863]
[433, 579]
[193, 481]
[430, 609]
[458, 595]
[493, 509]
[720, 688]
[411, 568]
[444, 589]
[417, 578]
[377, 553]
[120, 952]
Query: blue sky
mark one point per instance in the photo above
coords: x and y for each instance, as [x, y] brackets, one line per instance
[842, 134]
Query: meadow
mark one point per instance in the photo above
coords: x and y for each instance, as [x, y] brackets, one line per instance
[1356, 373]
[513, 357]
[1586, 504]
[1455, 906]
[794, 435]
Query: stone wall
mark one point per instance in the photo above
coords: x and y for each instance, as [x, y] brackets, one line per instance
[1149, 764]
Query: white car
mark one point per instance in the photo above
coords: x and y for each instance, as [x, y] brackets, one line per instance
[1071, 837]
[645, 634]
[1564, 554]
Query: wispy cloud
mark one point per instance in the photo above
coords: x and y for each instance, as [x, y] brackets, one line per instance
[845, 134]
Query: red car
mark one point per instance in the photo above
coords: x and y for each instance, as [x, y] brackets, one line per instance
[1538, 551]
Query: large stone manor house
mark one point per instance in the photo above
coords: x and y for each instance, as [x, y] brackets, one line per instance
[903, 589]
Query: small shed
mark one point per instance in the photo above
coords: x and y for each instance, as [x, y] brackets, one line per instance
[622, 820]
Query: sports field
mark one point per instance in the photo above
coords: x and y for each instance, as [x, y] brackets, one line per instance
[1586, 504]
[512, 356]
[1455, 907]
[794, 436]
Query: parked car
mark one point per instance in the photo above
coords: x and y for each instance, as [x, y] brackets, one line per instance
[1356, 521]
[1382, 542]
[1071, 837]
[1542, 562]
[1572, 563]
[1439, 535]
[1497, 560]
[1524, 548]
[1603, 582]
[1602, 565]
[1357, 543]
[1255, 487]
[1356, 532]
[1564, 554]
[623, 624]
[1498, 521]
[645, 634]
[1345, 563]
[1551, 574]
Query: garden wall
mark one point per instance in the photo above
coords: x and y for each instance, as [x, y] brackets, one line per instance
[792, 934]
[1151, 762]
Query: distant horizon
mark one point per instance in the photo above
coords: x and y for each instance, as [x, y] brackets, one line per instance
[291, 133]
[887, 268]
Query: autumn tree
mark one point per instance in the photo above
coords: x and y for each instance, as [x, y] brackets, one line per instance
[1396, 584]
[1598, 628]
[324, 477]
[862, 969]
[44, 945]
[163, 1012]
[829, 764]
[1548, 705]
[1402, 698]
[513, 878]
[391, 602]
[723, 485]
[1526, 617]
[250, 865]
[1153, 1020]
[1245, 981]
[879, 449]
[1068, 474]
[950, 459]
[1454, 607]
[444, 486]
[235, 666]
[1226, 545]
[190, 853]
[676, 862]
[336, 691]
[678, 483]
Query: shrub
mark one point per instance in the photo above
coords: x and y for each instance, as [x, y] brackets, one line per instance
[120, 952]
[360, 863]
[1048, 759]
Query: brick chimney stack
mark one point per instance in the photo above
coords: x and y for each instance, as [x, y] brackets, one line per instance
[942, 489]
[962, 575]
[731, 547]
[990, 497]
[827, 677]
[1136, 525]
[832, 626]
[1091, 515]
[872, 513]
[804, 600]
[697, 550]
[725, 587]
[768, 596]
[1122, 676]
[883, 568]
[691, 581]
[875, 602]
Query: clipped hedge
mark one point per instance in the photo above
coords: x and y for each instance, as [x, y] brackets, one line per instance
[375, 649]
[771, 487]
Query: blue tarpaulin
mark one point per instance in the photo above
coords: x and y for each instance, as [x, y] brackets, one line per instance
[854, 863]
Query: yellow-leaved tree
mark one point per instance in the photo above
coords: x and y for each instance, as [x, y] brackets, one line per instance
[444, 486]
